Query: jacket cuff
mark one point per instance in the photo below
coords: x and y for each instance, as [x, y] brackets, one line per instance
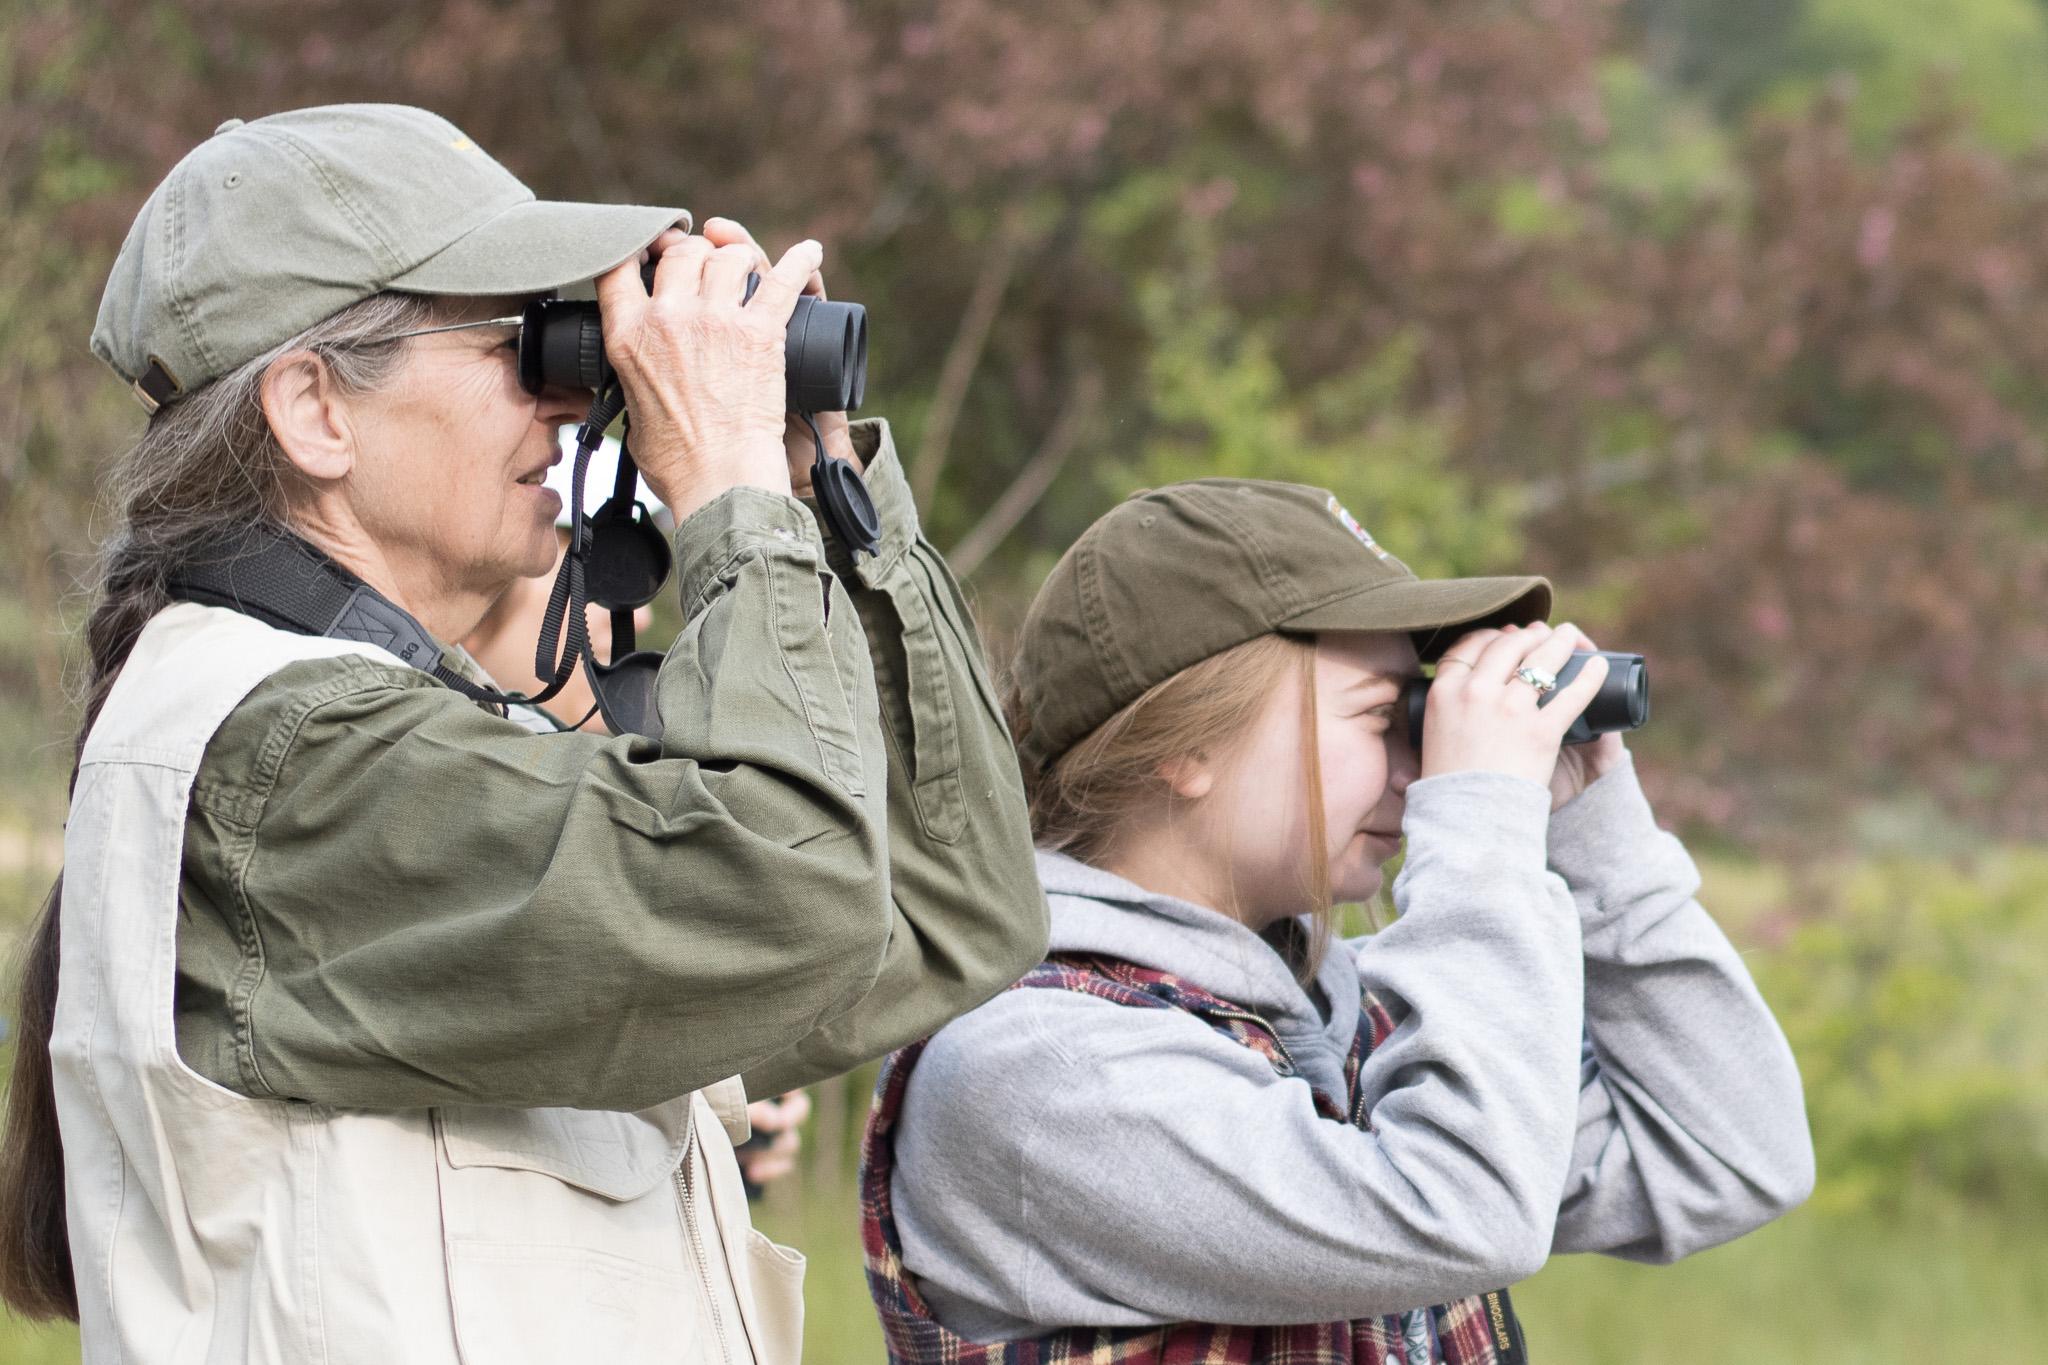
[1608, 819]
[1479, 817]
[882, 471]
[737, 522]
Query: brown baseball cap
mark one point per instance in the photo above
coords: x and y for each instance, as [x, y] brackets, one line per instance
[1176, 575]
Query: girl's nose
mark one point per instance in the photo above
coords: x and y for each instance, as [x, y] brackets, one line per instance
[1404, 765]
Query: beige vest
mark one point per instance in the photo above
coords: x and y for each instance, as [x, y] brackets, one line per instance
[210, 1227]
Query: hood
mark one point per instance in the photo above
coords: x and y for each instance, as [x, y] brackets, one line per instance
[1094, 911]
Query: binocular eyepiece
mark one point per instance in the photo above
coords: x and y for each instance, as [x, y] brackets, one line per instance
[1622, 703]
[824, 351]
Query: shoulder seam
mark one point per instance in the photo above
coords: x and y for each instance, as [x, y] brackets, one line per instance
[356, 675]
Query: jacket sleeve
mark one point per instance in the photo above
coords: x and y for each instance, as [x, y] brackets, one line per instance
[967, 916]
[428, 903]
[1058, 1163]
[1691, 1126]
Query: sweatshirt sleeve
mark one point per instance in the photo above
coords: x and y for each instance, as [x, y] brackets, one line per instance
[967, 916]
[1081, 1162]
[1691, 1125]
[394, 898]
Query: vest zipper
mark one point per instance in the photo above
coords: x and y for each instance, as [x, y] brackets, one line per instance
[686, 1189]
[1246, 1016]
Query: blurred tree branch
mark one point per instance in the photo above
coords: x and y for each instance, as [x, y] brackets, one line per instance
[1083, 401]
[969, 340]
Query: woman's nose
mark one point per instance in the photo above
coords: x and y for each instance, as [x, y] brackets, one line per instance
[555, 403]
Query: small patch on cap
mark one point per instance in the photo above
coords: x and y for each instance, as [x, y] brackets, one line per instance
[227, 126]
[1350, 523]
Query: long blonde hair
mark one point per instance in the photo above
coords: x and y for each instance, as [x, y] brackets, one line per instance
[1090, 796]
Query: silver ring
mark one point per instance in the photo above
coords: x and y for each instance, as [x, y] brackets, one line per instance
[1537, 678]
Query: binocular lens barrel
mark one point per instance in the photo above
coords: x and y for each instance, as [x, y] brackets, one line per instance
[825, 356]
[824, 351]
[1621, 704]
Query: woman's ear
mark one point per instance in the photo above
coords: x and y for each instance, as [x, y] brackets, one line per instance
[306, 413]
[1189, 778]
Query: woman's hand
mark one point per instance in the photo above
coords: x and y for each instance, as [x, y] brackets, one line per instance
[702, 371]
[1482, 718]
[797, 443]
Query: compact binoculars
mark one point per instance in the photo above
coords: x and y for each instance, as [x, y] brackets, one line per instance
[1622, 703]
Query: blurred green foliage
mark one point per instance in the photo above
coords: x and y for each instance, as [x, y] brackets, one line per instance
[1913, 1005]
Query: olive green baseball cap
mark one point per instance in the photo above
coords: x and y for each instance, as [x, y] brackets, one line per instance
[272, 225]
[1176, 575]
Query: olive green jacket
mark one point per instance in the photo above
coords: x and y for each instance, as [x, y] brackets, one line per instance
[394, 898]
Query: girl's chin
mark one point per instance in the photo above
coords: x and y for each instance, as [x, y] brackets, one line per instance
[1354, 884]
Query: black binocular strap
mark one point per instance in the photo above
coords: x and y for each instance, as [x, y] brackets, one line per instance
[284, 581]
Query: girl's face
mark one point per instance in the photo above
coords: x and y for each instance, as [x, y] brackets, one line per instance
[1254, 817]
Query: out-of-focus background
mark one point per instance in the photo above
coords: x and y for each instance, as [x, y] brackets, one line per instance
[1730, 315]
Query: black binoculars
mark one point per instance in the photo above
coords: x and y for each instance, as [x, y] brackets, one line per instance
[1622, 703]
[824, 351]
[825, 369]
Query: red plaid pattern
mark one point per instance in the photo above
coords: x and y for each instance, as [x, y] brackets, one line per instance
[1475, 1331]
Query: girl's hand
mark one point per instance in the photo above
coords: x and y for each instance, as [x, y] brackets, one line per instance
[1482, 718]
[703, 373]
[1579, 766]
[797, 444]
[777, 1119]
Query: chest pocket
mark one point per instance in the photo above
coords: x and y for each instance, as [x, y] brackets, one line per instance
[563, 1236]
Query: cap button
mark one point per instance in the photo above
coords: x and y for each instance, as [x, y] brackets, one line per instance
[228, 127]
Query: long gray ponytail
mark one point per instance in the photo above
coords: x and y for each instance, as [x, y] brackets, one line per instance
[206, 465]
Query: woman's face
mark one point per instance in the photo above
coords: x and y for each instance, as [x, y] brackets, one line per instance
[450, 456]
[1257, 810]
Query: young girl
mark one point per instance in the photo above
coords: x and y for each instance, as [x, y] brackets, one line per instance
[1207, 1129]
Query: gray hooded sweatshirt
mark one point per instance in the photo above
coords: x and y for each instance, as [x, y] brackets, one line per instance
[1580, 1064]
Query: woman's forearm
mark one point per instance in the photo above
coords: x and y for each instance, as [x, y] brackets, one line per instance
[969, 917]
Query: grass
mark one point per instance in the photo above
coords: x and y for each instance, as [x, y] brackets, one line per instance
[1933, 1280]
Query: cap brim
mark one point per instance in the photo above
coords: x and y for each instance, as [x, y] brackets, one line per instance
[537, 246]
[1436, 611]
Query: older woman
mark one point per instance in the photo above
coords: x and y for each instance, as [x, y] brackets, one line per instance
[386, 1027]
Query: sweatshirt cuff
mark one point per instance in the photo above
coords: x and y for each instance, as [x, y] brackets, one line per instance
[1479, 817]
[882, 471]
[1609, 819]
[738, 522]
